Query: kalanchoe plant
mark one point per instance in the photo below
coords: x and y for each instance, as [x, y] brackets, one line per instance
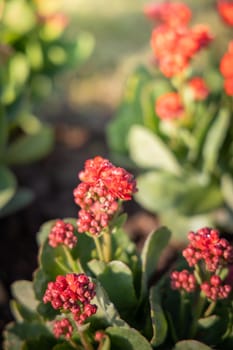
[94, 290]
[175, 122]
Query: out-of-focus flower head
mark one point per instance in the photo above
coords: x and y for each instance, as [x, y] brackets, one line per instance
[174, 47]
[173, 14]
[198, 88]
[226, 68]
[169, 106]
[225, 10]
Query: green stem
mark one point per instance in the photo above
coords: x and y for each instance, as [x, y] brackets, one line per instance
[183, 303]
[84, 340]
[197, 313]
[74, 345]
[61, 265]
[107, 246]
[70, 260]
[98, 248]
[210, 309]
[172, 328]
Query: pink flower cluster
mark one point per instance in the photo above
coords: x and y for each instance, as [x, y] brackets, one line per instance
[207, 246]
[62, 327]
[62, 233]
[183, 280]
[98, 195]
[215, 289]
[72, 293]
[174, 44]
[213, 253]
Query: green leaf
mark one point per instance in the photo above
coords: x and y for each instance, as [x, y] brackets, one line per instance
[26, 303]
[127, 339]
[106, 309]
[148, 151]
[157, 190]
[151, 252]
[29, 148]
[227, 189]
[129, 112]
[189, 195]
[191, 345]
[181, 224]
[124, 298]
[3, 132]
[16, 334]
[214, 139]
[21, 199]
[152, 249]
[159, 322]
[7, 186]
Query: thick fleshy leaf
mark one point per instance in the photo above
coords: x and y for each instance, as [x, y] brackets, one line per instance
[29, 148]
[215, 138]
[189, 195]
[157, 190]
[7, 186]
[127, 339]
[124, 298]
[21, 199]
[153, 247]
[106, 309]
[148, 150]
[227, 189]
[16, 334]
[159, 322]
[3, 131]
[191, 345]
[25, 305]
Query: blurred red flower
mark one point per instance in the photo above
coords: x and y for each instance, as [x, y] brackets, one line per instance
[169, 106]
[225, 10]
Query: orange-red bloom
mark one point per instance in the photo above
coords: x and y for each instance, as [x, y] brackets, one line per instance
[199, 88]
[169, 106]
[174, 47]
[225, 10]
[226, 68]
[169, 13]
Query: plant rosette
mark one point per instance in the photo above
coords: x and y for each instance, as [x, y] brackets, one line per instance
[175, 123]
[93, 290]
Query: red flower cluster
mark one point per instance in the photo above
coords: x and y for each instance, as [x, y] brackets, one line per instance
[172, 14]
[169, 106]
[199, 88]
[225, 9]
[173, 43]
[62, 327]
[102, 186]
[226, 68]
[183, 280]
[62, 233]
[215, 289]
[73, 293]
[206, 245]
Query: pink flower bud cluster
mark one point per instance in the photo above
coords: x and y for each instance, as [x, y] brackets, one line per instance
[207, 246]
[215, 289]
[183, 280]
[62, 328]
[102, 186]
[72, 293]
[62, 233]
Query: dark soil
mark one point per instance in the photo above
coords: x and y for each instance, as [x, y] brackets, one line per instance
[52, 181]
